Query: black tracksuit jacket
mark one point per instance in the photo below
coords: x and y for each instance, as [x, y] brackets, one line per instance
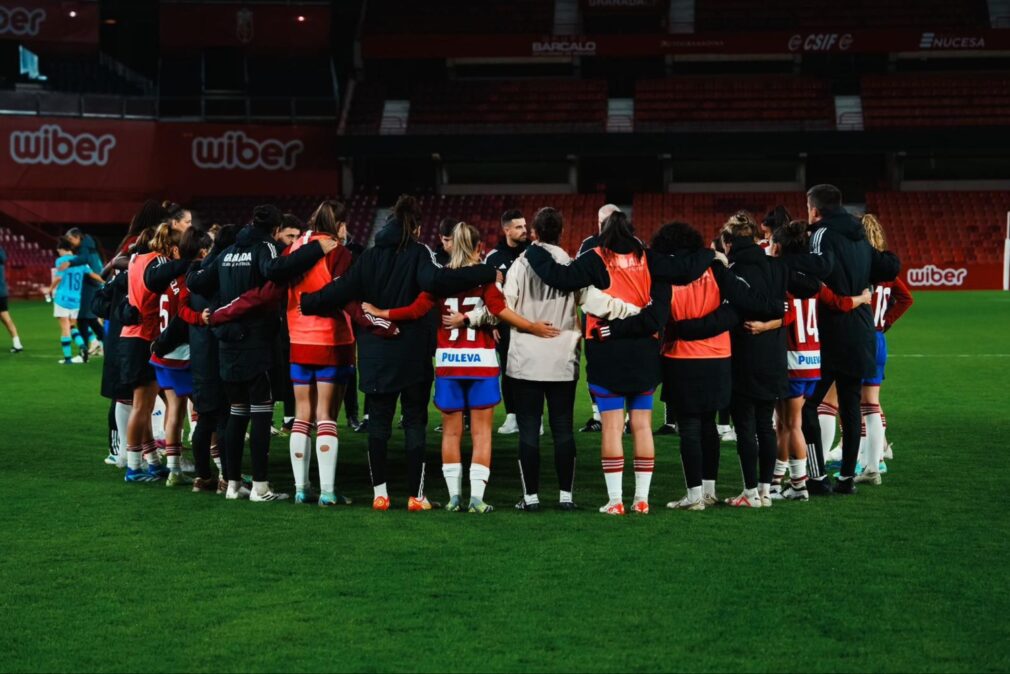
[246, 347]
[848, 342]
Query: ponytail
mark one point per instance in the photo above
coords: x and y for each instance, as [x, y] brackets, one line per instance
[408, 213]
[465, 243]
[164, 239]
[617, 232]
[328, 216]
[874, 232]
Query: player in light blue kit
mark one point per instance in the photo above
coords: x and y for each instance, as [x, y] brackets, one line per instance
[66, 291]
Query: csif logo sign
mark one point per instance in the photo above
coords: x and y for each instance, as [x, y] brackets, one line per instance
[236, 150]
[50, 144]
[21, 22]
[931, 275]
[820, 42]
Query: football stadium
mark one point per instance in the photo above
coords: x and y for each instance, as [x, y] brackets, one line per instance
[463, 335]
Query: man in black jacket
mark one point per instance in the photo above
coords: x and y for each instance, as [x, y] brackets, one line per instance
[247, 346]
[508, 250]
[391, 274]
[848, 343]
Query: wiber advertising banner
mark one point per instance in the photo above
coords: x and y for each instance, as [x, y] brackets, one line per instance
[120, 157]
[56, 22]
[929, 276]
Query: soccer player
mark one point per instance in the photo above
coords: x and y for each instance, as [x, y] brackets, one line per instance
[149, 275]
[891, 299]
[322, 361]
[848, 340]
[508, 250]
[5, 315]
[593, 425]
[623, 371]
[90, 327]
[466, 369]
[66, 291]
[392, 273]
[246, 348]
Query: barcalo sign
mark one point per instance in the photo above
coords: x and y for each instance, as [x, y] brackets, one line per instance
[50, 144]
[20, 21]
[236, 150]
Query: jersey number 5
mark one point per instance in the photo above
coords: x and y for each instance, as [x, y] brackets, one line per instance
[468, 303]
[163, 312]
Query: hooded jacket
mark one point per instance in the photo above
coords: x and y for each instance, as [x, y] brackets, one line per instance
[247, 346]
[848, 343]
[389, 276]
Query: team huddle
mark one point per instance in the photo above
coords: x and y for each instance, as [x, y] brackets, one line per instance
[779, 323]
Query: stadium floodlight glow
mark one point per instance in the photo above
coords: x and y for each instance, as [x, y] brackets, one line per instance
[301, 18]
[72, 14]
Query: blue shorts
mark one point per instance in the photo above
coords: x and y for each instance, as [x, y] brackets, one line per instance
[608, 401]
[802, 388]
[178, 379]
[454, 394]
[304, 375]
[881, 361]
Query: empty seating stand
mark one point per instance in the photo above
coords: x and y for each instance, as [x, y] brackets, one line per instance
[459, 16]
[28, 263]
[930, 100]
[741, 15]
[758, 102]
[238, 210]
[707, 212]
[943, 227]
[514, 106]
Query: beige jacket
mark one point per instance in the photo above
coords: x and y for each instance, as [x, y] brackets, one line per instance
[556, 359]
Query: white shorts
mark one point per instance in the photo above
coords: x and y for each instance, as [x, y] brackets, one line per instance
[63, 312]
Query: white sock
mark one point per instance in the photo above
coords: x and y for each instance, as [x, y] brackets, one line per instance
[613, 474]
[828, 426]
[566, 497]
[17, 343]
[874, 440]
[158, 419]
[708, 487]
[260, 487]
[217, 462]
[379, 490]
[174, 462]
[531, 499]
[327, 446]
[861, 458]
[751, 494]
[695, 494]
[643, 477]
[234, 485]
[764, 488]
[798, 472]
[478, 480]
[596, 412]
[122, 421]
[453, 473]
[133, 458]
[301, 458]
[781, 467]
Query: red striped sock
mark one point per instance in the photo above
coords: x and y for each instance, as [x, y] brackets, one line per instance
[827, 410]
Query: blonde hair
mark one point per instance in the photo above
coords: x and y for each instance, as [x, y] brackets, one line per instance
[874, 231]
[164, 239]
[740, 224]
[465, 243]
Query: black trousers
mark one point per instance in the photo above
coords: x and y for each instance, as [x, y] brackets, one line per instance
[508, 394]
[529, 400]
[113, 430]
[252, 410]
[381, 410]
[755, 438]
[699, 447]
[850, 390]
[351, 396]
[88, 325]
[723, 419]
[207, 425]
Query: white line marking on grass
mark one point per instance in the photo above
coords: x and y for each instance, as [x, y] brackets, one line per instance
[948, 355]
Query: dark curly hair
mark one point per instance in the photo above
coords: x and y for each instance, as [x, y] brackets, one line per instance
[676, 236]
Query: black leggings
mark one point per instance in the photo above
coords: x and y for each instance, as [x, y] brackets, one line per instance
[250, 402]
[699, 447]
[849, 391]
[88, 325]
[351, 396]
[529, 400]
[755, 438]
[381, 408]
[209, 423]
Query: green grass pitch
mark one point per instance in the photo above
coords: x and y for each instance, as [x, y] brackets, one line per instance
[97, 575]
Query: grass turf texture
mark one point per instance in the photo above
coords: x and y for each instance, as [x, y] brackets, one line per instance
[100, 575]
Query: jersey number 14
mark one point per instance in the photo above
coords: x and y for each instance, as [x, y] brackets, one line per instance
[806, 321]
